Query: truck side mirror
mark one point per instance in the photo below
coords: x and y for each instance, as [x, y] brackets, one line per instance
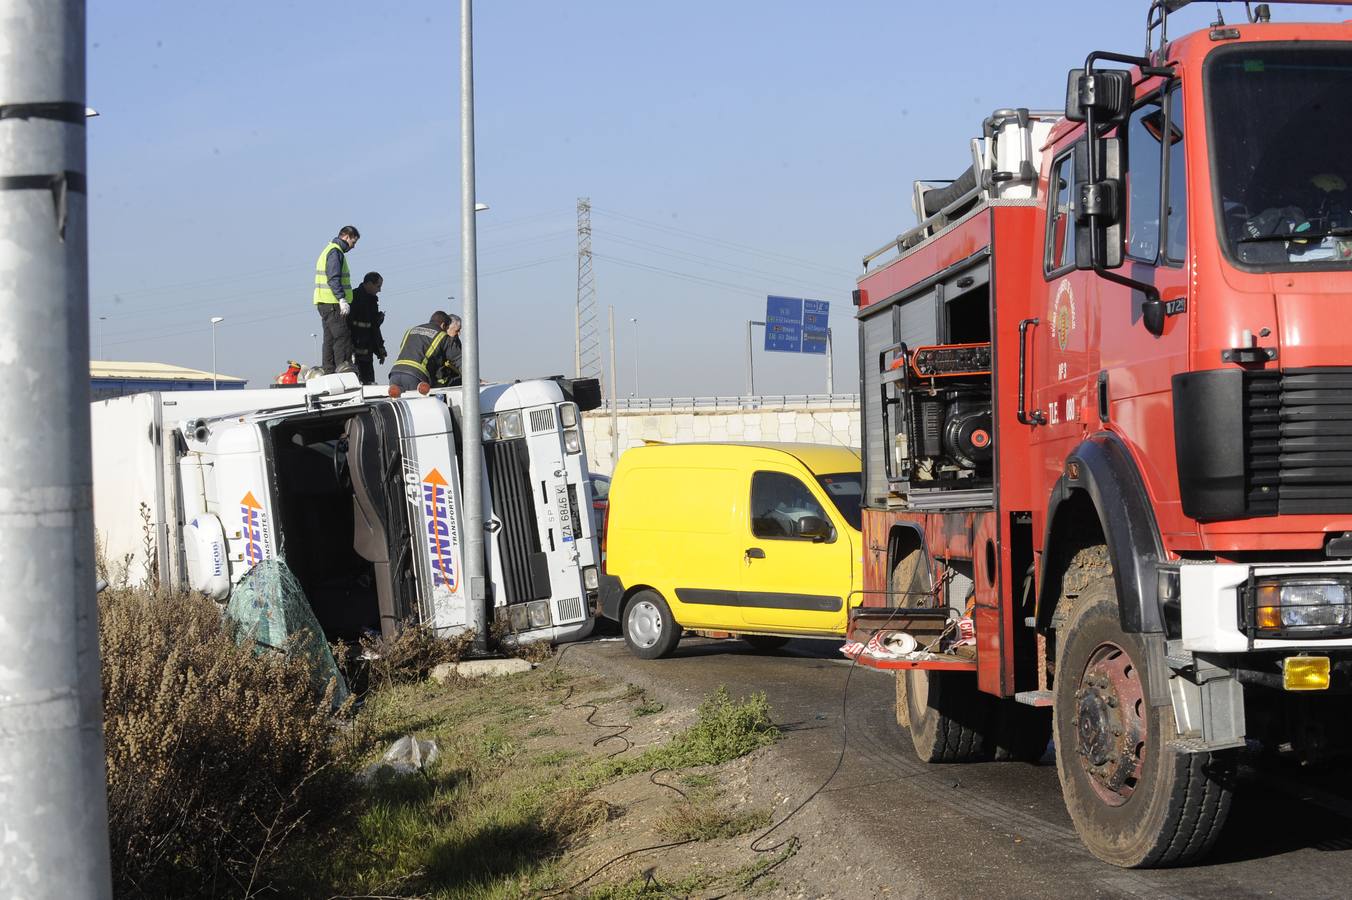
[814, 527]
[1105, 200]
[1109, 93]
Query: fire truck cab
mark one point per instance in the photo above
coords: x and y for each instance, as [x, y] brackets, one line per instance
[1107, 413]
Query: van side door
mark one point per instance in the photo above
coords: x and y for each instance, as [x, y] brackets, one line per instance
[797, 562]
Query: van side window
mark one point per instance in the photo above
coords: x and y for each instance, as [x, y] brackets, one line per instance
[1061, 215]
[778, 501]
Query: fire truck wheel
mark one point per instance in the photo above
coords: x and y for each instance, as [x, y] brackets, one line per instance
[764, 642]
[649, 629]
[1136, 801]
[948, 716]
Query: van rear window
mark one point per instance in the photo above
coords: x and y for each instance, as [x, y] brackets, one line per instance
[846, 491]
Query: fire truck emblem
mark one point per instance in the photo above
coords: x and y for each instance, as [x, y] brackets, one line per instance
[1063, 315]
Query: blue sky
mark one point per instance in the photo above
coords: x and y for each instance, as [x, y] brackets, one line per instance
[730, 150]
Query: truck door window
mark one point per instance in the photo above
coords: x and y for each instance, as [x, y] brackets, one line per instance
[1061, 215]
[778, 501]
[1143, 181]
[1145, 138]
[1177, 250]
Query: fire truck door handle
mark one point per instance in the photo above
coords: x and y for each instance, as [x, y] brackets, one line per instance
[1037, 416]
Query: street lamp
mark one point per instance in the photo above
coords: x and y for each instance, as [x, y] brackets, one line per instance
[215, 320]
[99, 342]
[319, 351]
[635, 323]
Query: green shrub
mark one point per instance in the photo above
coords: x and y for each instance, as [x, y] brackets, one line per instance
[215, 756]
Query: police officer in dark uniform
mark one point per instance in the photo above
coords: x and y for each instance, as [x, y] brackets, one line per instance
[365, 320]
[423, 352]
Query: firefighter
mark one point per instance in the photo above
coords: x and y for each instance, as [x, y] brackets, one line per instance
[422, 354]
[449, 373]
[333, 298]
[365, 320]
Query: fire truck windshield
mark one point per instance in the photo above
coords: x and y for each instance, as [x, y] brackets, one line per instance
[1280, 123]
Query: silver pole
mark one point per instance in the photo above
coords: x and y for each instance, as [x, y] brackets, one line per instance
[52, 788]
[635, 321]
[213, 356]
[614, 400]
[830, 367]
[476, 616]
[750, 373]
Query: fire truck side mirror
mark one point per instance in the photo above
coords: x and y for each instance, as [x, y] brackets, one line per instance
[1108, 93]
[1099, 239]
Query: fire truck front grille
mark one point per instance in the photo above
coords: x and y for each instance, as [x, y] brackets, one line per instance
[1298, 441]
[525, 568]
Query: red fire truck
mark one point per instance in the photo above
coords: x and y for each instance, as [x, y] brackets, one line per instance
[1107, 412]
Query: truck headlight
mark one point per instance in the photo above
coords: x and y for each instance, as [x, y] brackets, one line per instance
[572, 441]
[490, 428]
[537, 612]
[510, 425]
[568, 415]
[589, 578]
[1302, 606]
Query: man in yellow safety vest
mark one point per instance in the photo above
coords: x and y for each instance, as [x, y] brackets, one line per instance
[333, 299]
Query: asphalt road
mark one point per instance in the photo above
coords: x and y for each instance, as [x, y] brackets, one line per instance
[892, 824]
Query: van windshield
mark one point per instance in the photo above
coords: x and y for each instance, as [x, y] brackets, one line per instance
[846, 490]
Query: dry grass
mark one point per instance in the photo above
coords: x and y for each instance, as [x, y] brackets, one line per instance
[215, 756]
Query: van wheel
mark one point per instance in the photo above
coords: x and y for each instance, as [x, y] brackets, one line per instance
[947, 716]
[764, 642]
[649, 629]
[1135, 800]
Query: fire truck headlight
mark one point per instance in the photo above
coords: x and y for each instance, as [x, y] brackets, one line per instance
[589, 578]
[490, 428]
[568, 415]
[510, 425]
[1303, 606]
[572, 441]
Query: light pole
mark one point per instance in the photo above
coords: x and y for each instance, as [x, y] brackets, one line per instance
[102, 319]
[215, 320]
[634, 322]
[319, 351]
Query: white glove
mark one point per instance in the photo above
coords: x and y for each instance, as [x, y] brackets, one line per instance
[344, 307]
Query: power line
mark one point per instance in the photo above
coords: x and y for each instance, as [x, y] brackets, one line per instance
[686, 276]
[745, 248]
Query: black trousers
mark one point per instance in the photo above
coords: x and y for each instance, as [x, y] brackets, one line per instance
[337, 338]
[366, 366]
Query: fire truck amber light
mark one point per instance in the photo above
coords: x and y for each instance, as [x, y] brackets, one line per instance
[1303, 606]
[1305, 673]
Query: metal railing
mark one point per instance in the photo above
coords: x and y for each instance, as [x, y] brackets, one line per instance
[760, 401]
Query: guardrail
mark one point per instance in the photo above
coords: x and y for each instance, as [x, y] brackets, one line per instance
[823, 401]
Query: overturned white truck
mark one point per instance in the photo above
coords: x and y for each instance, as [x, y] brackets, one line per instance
[359, 494]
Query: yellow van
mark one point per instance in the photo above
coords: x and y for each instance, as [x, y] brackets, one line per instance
[757, 539]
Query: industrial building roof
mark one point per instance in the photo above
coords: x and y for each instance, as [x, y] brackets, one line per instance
[153, 371]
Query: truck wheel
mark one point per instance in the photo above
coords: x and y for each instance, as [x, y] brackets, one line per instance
[764, 642]
[1135, 801]
[947, 715]
[649, 629]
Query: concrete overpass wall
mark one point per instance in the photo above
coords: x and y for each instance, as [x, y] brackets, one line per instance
[816, 419]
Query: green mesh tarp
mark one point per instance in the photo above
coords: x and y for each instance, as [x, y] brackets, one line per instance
[270, 611]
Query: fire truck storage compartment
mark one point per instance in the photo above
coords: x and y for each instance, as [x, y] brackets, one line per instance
[935, 449]
[334, 520]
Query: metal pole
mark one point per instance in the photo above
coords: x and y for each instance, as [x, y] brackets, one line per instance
[750, 372]
[476, 617]
[635, 321]
[52, 787]
[614, 401]
[830, 368]
[319, 351]
[213, 356]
